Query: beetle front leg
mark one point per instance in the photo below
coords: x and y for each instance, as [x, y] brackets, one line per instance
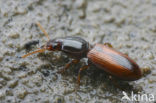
[83, 68]
[108, 45]
[75, 61]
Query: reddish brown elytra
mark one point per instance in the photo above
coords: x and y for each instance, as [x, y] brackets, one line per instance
[101, 55]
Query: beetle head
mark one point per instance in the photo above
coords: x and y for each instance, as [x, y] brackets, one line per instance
[53, 45]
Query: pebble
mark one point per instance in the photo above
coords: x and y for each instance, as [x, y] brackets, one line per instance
[22, 75]
[13, 83]
[25, 81]
[109, 19]
[9, 92]
[6, 76]
[81, 3]
[37, 79]
[21, 93]
[146, 70]
[152, 80]
[1, 57]
[2, 94]
[145, 46]
[59, 99]
[2, 81]
[7, 70]
[81, 14]
[43, 89]
[119, 21]
[149, 56]
[14, 35]
[68, 91]
[95, 8]
[152, 28]
[10, 44]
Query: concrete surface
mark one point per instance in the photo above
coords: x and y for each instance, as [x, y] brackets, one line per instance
[129, 25]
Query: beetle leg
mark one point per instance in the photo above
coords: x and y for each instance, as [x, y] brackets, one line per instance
[75, 61]
[78, 77]
[108, 45]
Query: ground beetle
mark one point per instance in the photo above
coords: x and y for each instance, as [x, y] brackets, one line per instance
[101, 55]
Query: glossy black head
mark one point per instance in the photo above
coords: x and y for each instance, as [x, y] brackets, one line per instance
[53, 45]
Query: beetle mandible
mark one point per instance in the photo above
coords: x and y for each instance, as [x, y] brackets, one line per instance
[101, 55]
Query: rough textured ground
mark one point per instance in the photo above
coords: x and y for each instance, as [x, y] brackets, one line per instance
[129, 25]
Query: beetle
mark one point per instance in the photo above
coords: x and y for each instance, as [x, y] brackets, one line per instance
[104, 56]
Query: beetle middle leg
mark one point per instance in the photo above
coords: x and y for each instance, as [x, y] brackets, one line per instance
[75, 61]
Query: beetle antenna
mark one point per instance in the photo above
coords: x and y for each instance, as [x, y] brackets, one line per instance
[37, 51]
[40, 49]
[43, 30]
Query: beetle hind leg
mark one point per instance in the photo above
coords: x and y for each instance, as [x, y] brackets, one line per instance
[108, 45]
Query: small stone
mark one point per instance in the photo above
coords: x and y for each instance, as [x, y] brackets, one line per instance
[68, 91]
[37, 79]
[2, 94]
[59, 99]
[22, 75]
[152, 28]
[10, 44]
[9, 92]
[43, 89]
[154, 61]
[5, 14]
[82, 14]
[46, 100]
[14, 35]
[149, 55]
[145, 46]
[95, 8]
[13, 83]
[1, 86]
[7, 70]
[119, 21]
[129, 45]
[6, 76]
[25, 81]
[151, 80]
[9, 53]
[146, 70]
[1, 57]
[21, 93]
[4, 40]
[109, 19]
[81, 3]
[2, 82]
[78, 31]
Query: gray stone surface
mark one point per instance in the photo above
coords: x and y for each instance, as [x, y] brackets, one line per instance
[129, 25]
